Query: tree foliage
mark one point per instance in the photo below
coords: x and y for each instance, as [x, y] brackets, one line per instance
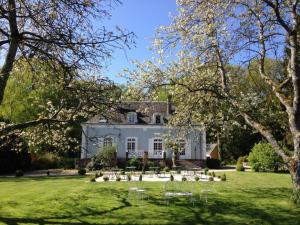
[235, 59]
[67, 36]
[264, 158]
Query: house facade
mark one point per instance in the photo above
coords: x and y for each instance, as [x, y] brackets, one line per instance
[140, 128]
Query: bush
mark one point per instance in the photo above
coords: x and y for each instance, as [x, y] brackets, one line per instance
[213, 163]
[94, 164]
[105, 156]
[264, 158]
[206, 171]
[68, 163]
[213, 174]
[45, 160]
[19, 173]
[240, 167]
[166, 169]
[171, 178]
[157, 171]
[197, 178]
[223, 177]
[136, 162]
[140, 177]
[48, 173]
[93, 178]
[128, 177]
[12, 159]
[184, 178]
[106, 178]
[242, 159]
[81, 171]
[152, 163]
[211, 179]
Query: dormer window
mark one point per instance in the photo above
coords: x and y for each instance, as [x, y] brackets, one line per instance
[157, 119]
[132, 117]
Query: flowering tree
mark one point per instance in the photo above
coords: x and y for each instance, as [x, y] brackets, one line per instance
[216, 43]
[67, 35]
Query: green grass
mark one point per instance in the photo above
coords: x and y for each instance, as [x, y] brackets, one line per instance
[245, 198]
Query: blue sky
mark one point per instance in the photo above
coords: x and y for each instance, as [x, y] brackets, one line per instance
[142, 17]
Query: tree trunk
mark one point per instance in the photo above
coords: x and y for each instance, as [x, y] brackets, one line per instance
[12, 49]
[173, 159]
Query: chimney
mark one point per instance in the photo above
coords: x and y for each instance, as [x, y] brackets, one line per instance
[169, 105]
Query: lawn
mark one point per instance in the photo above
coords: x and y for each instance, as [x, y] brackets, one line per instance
[245, 198]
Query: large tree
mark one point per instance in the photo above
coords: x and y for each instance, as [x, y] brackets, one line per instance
[217, 41]
[66, 34]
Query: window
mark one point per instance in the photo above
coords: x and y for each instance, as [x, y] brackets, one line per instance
[131, 117]
[182, 146]
[131, 144]
[158, 119]
[108, 141]
[157, 146]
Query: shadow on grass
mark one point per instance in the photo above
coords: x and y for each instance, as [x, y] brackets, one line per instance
[220, 210]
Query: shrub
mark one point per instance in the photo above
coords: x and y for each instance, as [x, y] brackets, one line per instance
[48, 173]
[105, 156]
[12, 159]
[206, 171]
[106, 178]
[118, 178]
[140, 177]
[209, 174]
[94, 164]
[184, 178]
[213, 174]
[19, 173]
[68, 163]
[197, 178]
[171, 178]
[46, 160]
[136, 162]
[152, 163]
[166, 169]
[211, 179]
[128, 177]
[213, 163]
[223, 177]
[157, 171]
[240, 167]
[93, 178]
[81, 171]
[242, 159]
[263, 157]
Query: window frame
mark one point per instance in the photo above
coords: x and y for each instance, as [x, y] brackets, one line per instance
[158, 146]
[108, 143]
[129, 140]
[179, 141]
[131, 117]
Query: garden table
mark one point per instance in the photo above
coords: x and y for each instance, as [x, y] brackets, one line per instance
[130, 168]
[168, 195]
[154, 169]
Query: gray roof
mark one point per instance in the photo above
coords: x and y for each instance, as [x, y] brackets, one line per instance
[144, 109]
